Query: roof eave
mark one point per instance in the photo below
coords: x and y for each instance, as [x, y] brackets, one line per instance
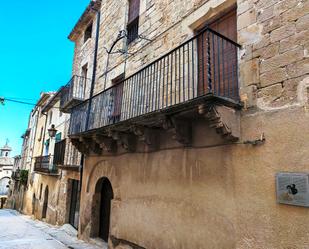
[85, 18]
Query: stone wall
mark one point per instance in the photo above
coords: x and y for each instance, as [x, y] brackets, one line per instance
[274, 60]
[212, 195]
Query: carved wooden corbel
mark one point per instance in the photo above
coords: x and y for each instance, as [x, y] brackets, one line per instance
[183, 130]
[128, 142]
[146, 135]
[106, 143]
[225, 120]
[79, 146]
[91, 145]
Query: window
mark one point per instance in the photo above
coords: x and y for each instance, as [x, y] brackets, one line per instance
[133, 21]
[88, 33]
[58, 137]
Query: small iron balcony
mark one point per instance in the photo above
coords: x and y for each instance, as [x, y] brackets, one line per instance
[43, 164]
[203, 68]
[74, 93]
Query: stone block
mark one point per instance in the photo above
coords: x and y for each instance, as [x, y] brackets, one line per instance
[250, 35]
[271, 24]
[301, 9]
[265, 14]
[294, 41]
[248, 96]
[283, 32]
[298, 69]
[246, 19]
[282, 60]
[249, 72]
[271, 93]
[283, 6]
[267, 52]
[302, 23]
[265, 41]
[273, 77]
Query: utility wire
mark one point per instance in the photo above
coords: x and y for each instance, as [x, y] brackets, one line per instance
[3, 100]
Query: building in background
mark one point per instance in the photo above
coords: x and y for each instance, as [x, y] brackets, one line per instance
[6, 169]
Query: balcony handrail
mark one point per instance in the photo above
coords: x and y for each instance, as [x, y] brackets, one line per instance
[72, 78]
[204, 64]
[161, 57]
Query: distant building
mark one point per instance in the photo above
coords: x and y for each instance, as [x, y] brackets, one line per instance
[6, 167]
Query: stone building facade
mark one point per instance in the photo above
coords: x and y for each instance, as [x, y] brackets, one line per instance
[52, 166]
[184, 113]
[203, 180]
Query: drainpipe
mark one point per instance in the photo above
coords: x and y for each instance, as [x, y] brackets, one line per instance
[95, 57]
[43, 138]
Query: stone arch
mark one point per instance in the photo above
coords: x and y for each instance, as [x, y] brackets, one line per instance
[4, 182]
[101, 208]
[45, 203]
[102, 168]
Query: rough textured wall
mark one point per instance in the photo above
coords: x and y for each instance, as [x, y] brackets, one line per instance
[192, 198]
[274, 60]
[166, 23]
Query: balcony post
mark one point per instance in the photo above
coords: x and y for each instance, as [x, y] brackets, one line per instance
[208, 62]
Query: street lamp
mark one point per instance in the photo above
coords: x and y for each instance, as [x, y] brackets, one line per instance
[52, 131]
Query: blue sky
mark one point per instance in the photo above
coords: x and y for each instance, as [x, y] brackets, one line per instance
[35, 56]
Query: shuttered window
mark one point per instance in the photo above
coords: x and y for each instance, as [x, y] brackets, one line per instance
[133, 21]
[133, 10]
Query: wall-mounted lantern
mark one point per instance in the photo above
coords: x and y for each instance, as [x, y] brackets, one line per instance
[52, 131]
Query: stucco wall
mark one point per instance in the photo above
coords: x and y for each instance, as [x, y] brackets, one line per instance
[193, 198]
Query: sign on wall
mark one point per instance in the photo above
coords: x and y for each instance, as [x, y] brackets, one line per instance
[293, 189]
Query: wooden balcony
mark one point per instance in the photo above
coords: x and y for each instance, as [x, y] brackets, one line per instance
[74, 93]
[44, 165]
[191, 78]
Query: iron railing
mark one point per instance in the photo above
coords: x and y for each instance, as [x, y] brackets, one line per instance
[43, 164]
[204, 65]
[59, 152]
[75, 91]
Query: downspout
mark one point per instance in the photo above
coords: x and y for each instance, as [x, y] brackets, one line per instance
[43, 138]
[95, 57]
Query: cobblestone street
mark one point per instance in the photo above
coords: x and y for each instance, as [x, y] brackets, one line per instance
[21, 232]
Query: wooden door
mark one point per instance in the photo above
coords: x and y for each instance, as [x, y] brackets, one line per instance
[117, 93]
[222, 55]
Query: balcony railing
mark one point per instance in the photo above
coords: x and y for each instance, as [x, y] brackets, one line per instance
[43, 164]
[204, 66]
[74, 92]
[59, 152]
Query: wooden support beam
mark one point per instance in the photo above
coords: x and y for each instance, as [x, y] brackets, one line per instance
[128, 141]
[182, 130]
[106, 143]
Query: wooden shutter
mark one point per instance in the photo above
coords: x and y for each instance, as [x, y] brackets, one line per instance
[133, 10]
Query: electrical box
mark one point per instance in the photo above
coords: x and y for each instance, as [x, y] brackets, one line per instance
[293, 189]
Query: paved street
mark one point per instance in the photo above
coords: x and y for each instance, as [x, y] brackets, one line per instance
[21, 232]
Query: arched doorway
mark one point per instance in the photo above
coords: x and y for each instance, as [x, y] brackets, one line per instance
[45, 203]
[102, 199]
[4, 182]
